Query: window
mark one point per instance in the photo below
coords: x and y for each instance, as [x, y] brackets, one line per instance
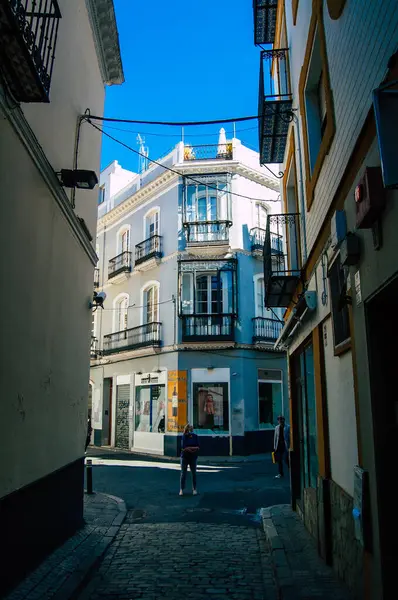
[316, 102]
[208, 290]
[259, 295]
[209, 201]
[149, 408]
[121, 314]
[152, 224]
[151, 304]
[261, 214]
[101, 195]
[341, 324]
[125, 240]
[211, 407]
[270, 401]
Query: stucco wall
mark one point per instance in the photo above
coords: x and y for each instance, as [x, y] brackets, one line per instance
[46, 284]
[76, 85]
[341, 412]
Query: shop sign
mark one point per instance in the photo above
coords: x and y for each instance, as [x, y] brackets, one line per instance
[177, 402]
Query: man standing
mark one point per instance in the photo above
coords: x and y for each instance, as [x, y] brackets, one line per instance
[281, 445]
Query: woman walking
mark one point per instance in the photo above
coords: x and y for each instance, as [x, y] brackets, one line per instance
[189, 456]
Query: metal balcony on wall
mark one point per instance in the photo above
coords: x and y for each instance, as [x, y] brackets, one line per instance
[274, 105]
[131, 339]
[28, 38]
[264, 12]
[207, 232]
[205, 328]
[149, 250]
[221, 151]
[119, 266]
[282, 259]
[266, 330]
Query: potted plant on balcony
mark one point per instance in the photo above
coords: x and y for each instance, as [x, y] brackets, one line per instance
[189, 153]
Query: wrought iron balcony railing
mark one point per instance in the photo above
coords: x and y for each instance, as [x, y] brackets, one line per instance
[282, 268]
[203, 328]
[119, 264]
[208, 232]
[28, 38]
[258, 236]
[96, 278]
[131, 339]
[209, 152]
[264, 12]
[150, 248]
[274, 105]
[94, 348]
[266, 330]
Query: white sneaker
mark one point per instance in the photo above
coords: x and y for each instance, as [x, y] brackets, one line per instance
[194, 493]
[181, 493]
[278, 476]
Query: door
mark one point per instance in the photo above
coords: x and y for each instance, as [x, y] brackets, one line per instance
[208, 296]
[107, 411]
[384, 402]
[122, 411]
[126, 241]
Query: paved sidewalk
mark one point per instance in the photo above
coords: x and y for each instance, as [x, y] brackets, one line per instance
[299, 571]
[61, 574]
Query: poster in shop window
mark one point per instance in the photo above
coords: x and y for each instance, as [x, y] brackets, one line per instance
[177, 403]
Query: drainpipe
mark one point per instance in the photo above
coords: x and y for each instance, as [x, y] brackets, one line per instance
[302, 204]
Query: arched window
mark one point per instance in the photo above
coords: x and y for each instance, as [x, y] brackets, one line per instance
[259, 296]
[123, 240]
[121, 304]
[260, 215]
[152, 223]
[150, 303]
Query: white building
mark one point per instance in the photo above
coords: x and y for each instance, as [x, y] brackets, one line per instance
[53, 67]
[184, 335]
[329, 115]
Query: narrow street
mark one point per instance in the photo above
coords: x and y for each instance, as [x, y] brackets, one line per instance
[195, 547]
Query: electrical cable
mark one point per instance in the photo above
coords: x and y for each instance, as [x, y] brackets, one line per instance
[175, 135]
[174, 123]
[142, 306]
[190, 178]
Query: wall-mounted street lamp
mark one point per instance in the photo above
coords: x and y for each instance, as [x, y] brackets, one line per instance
[98, 300]
[78, 178]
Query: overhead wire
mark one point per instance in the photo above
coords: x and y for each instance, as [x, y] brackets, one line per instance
[174, 123]
[166, 168]
[175, 135]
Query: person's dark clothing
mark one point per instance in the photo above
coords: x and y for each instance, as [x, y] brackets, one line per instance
[189, 440]
[188, 459]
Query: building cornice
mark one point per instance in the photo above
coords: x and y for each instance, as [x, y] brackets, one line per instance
[155, 187]
[106, 39]
[25, 133]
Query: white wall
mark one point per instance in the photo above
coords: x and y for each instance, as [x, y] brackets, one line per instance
[341, 413]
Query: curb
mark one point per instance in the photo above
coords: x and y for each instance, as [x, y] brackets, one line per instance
[76, 583]
[282, 572]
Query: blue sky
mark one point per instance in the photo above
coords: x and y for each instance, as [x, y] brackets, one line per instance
[190, 60]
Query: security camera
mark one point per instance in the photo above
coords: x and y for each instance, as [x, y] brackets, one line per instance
[98, 300]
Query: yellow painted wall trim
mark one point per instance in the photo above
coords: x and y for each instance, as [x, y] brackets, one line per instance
[280, 20]
[294, 10]
[320, 402]
[316, 24]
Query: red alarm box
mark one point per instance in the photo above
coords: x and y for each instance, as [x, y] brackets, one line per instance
[370, 198]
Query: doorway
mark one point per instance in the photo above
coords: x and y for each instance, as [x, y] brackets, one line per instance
[384, 400]
[107, 412]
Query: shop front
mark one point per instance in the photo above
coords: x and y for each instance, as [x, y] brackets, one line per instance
[149, 412]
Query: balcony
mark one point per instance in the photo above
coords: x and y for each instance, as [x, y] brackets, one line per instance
[148, 253]
[96, 278]
[208, 328]
[209, 152]
[266, 330]
[208, 235]
[119, 267]
[94, 348]
[131, 339]
[28, 38]
[274, 105]
[257, 239]
[281, 267]
[264, 12]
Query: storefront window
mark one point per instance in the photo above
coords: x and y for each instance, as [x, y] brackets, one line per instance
[210, 407]
[149, 409]
[269, 398]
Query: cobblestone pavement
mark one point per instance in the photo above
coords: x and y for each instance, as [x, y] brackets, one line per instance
[185, 560]
[63, 571]
[300, 572]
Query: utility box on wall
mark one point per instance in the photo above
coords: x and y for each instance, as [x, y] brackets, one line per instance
[370, 198]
